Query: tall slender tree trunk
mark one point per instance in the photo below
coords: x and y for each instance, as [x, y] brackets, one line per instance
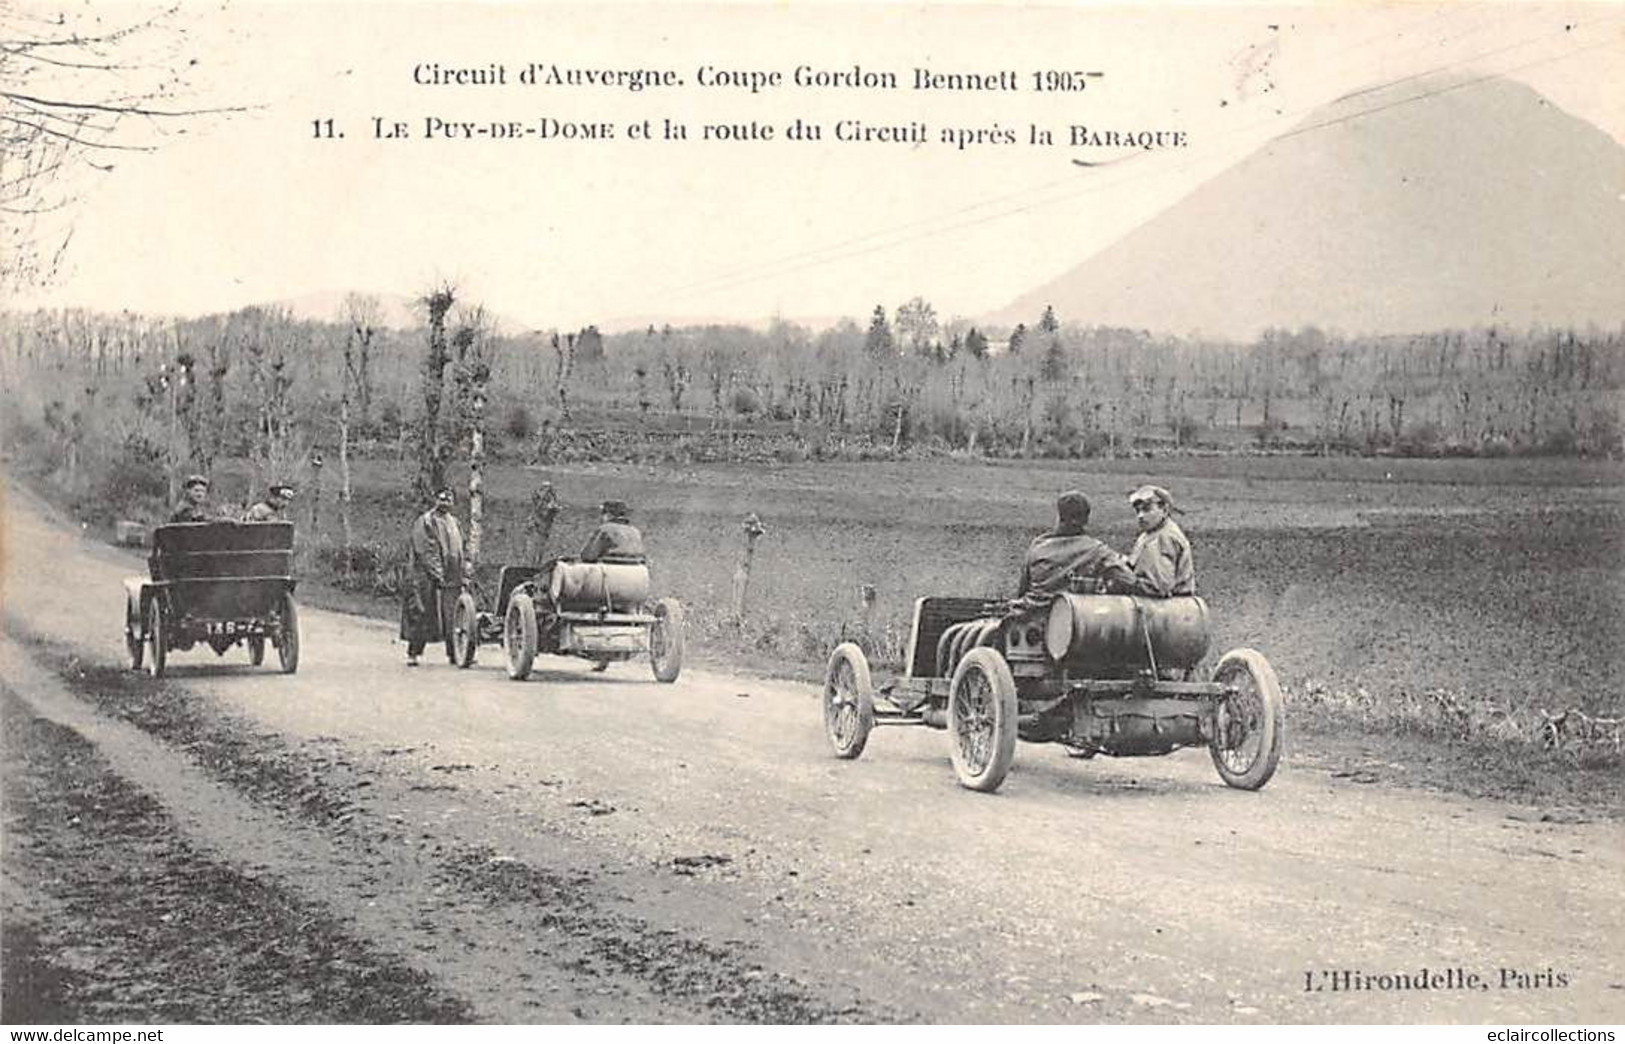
[315, 502]
[172, 454]
[344, 480]
[432, 465]
[364, 380]
[476, 474]
[473, 373]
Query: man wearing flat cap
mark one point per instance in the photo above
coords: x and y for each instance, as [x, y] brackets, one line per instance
[274, 508]
[616, 538]
[1161, 559]
[435, 574]
[1056, 556]
[194, 504]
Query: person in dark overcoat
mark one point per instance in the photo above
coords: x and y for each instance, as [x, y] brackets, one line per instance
[434, 577]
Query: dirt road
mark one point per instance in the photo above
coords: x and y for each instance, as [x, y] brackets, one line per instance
[601, 847]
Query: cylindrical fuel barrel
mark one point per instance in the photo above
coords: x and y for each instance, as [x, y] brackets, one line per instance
[1093, 631]
[593, 585]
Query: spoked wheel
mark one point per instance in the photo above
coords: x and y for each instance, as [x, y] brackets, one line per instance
[287, 636]
[157, 649]
[666, 640]
[134, 646]
[519, 636]
[1250, 727]
[465, 633]
[256, 649]
[982, 719]
[849, 704]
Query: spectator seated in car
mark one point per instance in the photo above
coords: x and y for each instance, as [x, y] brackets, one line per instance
[1066, 552]
[1161, 559]
[194, 502]
[274, 508]
[616, 539]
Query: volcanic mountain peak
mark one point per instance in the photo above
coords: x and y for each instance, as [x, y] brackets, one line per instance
[1429, 204]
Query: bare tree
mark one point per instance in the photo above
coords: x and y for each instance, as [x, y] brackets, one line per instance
[79, 87]
[879, 343]
[472, 373]
[678, 378]
[916, 324]
[361, 325]
[219, 367]
[265, 338]
[564, 353]
[431, 473]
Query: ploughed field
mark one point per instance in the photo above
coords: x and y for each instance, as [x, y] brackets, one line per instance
[1496, 580]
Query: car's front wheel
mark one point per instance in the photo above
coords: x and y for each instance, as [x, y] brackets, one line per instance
[519, 635]
[849, 706]
[982, 719]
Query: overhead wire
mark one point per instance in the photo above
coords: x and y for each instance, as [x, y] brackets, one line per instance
[1044, 197]
[1098, 185]
[1014, 194]
[1027, 191]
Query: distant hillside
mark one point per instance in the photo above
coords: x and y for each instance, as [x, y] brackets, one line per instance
[1481, 203]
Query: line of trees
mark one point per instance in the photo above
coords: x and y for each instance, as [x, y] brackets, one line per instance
[261, 385]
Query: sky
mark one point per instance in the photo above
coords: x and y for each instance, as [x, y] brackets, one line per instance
[260, 205]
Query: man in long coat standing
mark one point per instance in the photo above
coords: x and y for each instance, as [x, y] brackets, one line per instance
[434, 577]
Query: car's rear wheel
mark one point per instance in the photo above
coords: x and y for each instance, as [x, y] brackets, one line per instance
[1249, 727]
[465, 633]
[287, 636]
[134, 646]
[849, 705]
[519, 636]
[666, 640]
[982, 719]
[157, 639]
